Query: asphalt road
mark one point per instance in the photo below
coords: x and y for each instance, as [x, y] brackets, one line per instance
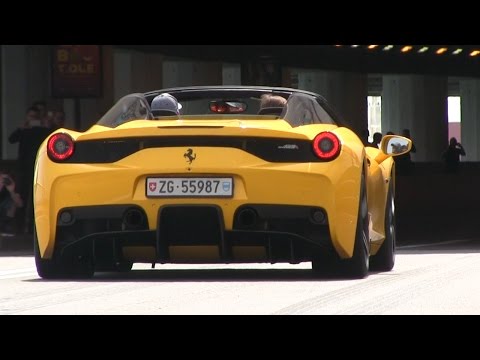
[427, 279]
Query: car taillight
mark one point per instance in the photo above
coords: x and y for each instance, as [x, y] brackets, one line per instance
[60, 147]
[326, 146]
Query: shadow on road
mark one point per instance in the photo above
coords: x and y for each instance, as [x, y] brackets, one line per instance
[291, 274]
[208, 275]
[466, 246]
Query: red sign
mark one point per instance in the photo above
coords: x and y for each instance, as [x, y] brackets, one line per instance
[76, 71]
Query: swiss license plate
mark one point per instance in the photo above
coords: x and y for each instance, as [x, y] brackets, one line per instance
[189, 187]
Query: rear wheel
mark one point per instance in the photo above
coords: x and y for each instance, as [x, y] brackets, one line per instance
[325, 264]
[384, 260]
[357, 266]
[74, 266]
[46, 268]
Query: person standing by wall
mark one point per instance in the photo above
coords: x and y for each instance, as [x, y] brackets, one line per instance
[58, 120]
[451, 156]
[29, 137]
[10, 201]
[377, 139]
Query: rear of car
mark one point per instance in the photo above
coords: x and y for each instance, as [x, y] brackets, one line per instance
[221, 181]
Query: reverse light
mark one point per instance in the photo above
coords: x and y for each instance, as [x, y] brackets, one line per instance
[60, 147]
[326, 146]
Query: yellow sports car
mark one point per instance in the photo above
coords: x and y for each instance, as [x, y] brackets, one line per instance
[226, 174]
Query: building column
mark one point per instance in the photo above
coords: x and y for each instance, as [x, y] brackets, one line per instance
[345, 92]
[191, 73]
[262, 72]
[122, 73]
[231, 74]
[418, 103]
[136, 72]
[38, 60]
[15, 99]
[470, 125]
[92, 109]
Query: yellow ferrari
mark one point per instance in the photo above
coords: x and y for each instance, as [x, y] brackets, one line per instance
[225, 174]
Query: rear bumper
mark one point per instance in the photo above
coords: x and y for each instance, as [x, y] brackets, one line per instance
[112, 234]
[332, 186]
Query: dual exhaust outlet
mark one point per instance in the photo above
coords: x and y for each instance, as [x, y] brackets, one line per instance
[132, 218]
[248, 217]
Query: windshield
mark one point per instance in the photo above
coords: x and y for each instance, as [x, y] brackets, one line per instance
[296, 108]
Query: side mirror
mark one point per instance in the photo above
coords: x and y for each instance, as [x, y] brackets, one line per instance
[395, 145]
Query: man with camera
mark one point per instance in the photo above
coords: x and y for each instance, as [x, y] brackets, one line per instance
[451, 156]
[10, 201]
[29, 136]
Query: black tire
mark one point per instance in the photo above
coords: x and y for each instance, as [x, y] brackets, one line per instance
[357, 266]
[46, 269]
[325, 264]
[384, 259]
[61, 268]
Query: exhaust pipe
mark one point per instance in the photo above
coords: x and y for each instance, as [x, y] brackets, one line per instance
[133, 219]
[247, 217]
[317, 217]
[66, 217]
